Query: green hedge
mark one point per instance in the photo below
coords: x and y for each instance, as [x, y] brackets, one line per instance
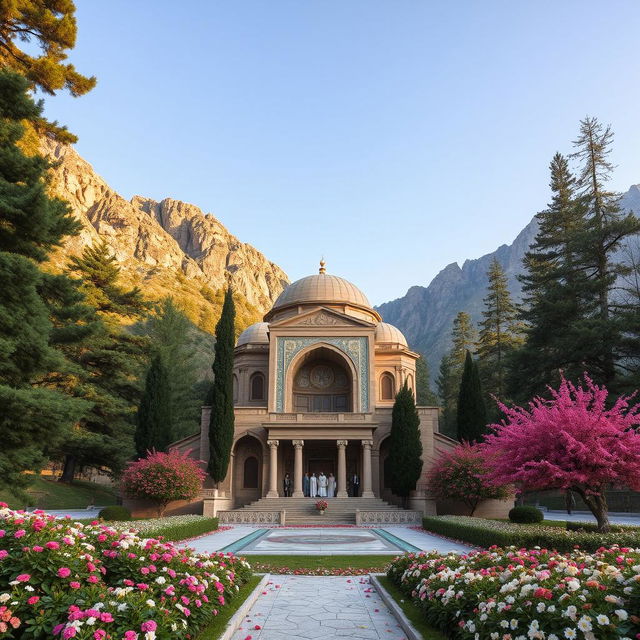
[171, 528]
[486, 533]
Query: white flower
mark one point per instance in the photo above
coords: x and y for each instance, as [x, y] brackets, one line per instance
[584, 624]
[571, 611]
[504, 624]
[551, 608]
[123, 606]
[570, 633]
[161, 580]
[29, 588]
[150, 635]
[4, 597]
[602, 619]
[552, 636]
[150, 603]
[514, 623]
[541, 607]
[621, 613]
[91, 621]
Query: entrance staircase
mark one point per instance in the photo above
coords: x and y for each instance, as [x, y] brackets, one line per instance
[302, 511]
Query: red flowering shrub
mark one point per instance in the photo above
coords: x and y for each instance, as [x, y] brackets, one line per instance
[461, 474]
[162, 478]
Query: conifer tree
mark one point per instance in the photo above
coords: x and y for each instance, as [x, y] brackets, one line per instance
[472, 411]
[463, 338]
[424, 395]
[32, 416]
[221, 424]
[154, 420]
[499, 331]
[405, 447]
[50, 29]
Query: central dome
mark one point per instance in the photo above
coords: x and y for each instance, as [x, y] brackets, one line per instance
[321, 288]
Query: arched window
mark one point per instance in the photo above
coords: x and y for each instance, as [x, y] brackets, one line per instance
[387, 387]
[257, 387]
[235, 388]
[250, 473]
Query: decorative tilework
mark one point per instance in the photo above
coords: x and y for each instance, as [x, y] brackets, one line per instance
[355, 348]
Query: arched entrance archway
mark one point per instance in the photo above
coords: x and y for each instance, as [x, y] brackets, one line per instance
[247, 470]
[321, 379]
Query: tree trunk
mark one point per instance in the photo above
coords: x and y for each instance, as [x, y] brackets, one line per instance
[597, 503]
[69, 470]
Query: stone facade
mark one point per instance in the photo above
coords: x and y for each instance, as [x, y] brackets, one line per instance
[314, 387]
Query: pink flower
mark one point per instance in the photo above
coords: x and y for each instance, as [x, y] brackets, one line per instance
[130, 635]
[99, 634]
[106, 617]
[93, 579]
[19, 533]
[23, 577]
[3, 553]
[57, 629]
[33, 599]
[74, 585]
[64, 572]
[69, 632]
[149, 625]
[37, 548]
[52, 545]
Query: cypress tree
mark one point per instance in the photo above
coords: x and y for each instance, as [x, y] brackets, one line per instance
[405, 447]
[154, 419]
[33, 416]
[221, 423]
[424, 395]
[472, 412]
[499, 332]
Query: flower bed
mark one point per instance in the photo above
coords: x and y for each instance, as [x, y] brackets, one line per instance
[64, 579]
[491, 532]
[510, 594]
[171, 527]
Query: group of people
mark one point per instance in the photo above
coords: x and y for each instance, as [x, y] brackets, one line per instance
[321, 486]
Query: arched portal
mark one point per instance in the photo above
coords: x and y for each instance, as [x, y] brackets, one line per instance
[321, 380]
[247, 470]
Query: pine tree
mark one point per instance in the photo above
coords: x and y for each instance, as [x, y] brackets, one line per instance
[499, 332]
[463, 337]
[405, 446]
[32, 416]
[424, 395]
[172, 335]
[556, 297]
[605, 230]
[472, 412]
[50, 29]
[221, 424]
[154, 419]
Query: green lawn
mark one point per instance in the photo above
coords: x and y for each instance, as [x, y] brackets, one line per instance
[276, 564]
[217, 626]
[49, 494]
[415, 616]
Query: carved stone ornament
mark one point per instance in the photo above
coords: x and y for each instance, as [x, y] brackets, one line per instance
[367, 443]
[342, 443]
[298, 443]
[273, 443]
[320, 319]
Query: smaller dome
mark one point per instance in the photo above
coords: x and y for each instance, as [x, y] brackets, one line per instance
[387, 333]
[255, 334]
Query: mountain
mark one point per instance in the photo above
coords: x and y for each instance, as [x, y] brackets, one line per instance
[166, 248]
[425, 314]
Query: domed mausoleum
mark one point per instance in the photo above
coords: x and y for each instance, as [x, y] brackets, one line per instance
[314, 386]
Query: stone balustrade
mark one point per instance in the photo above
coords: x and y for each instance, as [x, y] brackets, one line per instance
[388, 517]
[251, 517]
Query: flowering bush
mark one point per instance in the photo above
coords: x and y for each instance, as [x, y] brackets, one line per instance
[163, 477]
[68, 580]
[321, 505]
[460, 474]
[510, 594]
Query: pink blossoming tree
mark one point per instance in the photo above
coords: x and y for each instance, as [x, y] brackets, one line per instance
[162, 478]
[572, 441]
[461, 474]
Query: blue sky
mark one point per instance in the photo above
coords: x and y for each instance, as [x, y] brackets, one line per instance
[393, 137]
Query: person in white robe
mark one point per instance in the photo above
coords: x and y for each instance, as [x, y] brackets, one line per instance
[331, 488]
[313, 485]
[322, 485]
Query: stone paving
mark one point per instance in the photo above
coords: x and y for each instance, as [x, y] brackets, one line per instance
[319, 608]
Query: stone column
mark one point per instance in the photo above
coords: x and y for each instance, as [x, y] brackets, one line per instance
[273, 468]
[297, 469]
[366, 469]
[342, 468]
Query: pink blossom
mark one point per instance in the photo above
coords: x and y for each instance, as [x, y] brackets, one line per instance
[23, 577]
[52, 544]
[64, 572]
[75, 585]
[69, 632]
[130, 635]
[3, 553]
[149, 625]
[33, 599]
[19, 533]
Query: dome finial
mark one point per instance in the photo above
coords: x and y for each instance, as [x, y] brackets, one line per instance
[322, 269]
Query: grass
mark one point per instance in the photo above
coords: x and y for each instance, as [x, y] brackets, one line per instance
[217, 626]
[275, 564]
[415, 616]
[49, 494]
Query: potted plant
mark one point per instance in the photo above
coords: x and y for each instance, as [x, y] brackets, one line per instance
[321, 505]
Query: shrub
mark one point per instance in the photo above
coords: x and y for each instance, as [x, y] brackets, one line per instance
[64, 579]
[162, 478]
[115, 512]
[525, 593]
[526, 515]
[486, 533]
[460, 474]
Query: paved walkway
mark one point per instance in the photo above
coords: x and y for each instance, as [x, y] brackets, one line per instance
[319, 608]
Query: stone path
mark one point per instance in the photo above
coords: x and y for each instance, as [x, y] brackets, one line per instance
[319, 608]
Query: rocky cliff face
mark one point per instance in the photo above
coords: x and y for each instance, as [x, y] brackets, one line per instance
[425, 314]
[168, 247]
